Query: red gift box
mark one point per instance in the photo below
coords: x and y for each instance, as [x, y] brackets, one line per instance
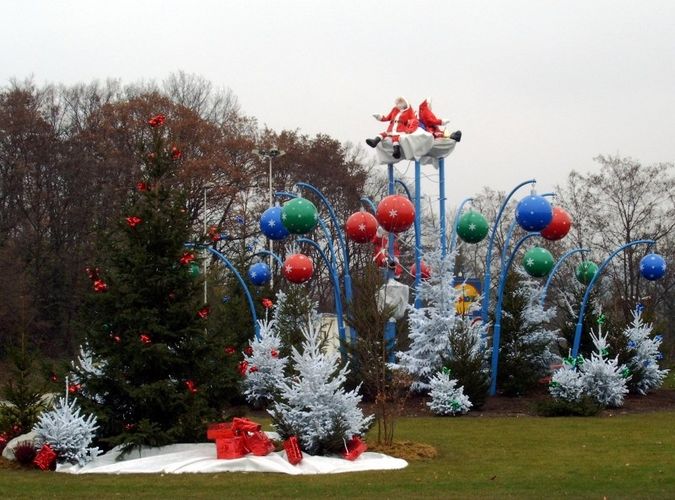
[293, 452]
[219, 431]
[236, 439]
[229, 448]
[354, 448]
[45, 458]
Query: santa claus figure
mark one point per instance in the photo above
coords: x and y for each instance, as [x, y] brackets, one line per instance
[402, 120]
[434, 125]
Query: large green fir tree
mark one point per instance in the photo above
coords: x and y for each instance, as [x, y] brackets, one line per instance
[161, 374]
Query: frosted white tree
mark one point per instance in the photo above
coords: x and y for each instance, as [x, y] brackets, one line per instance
[644, 355]
[602, 377]
[566, 383]
[544, 341]
[87, 366]
[68, 432]
[431, 324]
[446, 397]
[313, 404]
[266, 366]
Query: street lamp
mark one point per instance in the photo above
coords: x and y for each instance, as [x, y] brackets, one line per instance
[269, 154]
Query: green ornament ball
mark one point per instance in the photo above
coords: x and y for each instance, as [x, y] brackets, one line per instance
[585, 271]
[538, 262]
[472, 227]
[299, 216]
[194, 270]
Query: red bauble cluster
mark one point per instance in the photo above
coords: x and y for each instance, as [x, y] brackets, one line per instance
[133, 221]
[395, 213]
[425, 271]
[361, 227]
[298, 268]
[191, 386]
[145, 338]
[267, 303]
[99, 285]
[559, 226]
[157, 121]
[186, 258]
[230, 350]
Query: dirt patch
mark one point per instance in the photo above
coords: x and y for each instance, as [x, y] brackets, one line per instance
[407, 450]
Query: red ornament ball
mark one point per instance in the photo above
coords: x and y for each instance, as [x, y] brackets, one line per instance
[298, 268]
[157, 121]
[425, 272]
[267, 303]
[203, 313]
[395, 213]
[176, 153]
[559, 226]
[100, 286]
[361, 227]
[134, 221]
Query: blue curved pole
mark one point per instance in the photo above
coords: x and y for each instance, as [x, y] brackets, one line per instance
[405, 188]
[441, 202]
[565, 256]
[498, 312]
[270, 254]
[460, 209]
[369, 203]
[336, 288]
[341, 240]
[417, 226]
[242, 283]
[582, 309]
[486, 279]
[390, 328]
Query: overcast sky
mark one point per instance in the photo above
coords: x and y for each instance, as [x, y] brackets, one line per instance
[537, 87]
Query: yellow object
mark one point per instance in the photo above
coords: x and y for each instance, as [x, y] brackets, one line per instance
[468, 295]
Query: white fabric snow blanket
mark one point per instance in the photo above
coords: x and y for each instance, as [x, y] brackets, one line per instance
[201, 457]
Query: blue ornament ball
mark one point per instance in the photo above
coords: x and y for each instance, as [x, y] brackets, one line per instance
[652, 267]
[271, 225]
[534, 213]
[259, 273]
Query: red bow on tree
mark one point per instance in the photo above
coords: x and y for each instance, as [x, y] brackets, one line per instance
[100, 286]
[176, 154]
[242, 367]
[142, 186]
[274, 353]
[229, 350]
[203, 313]
[134, 221]
[73, 388]
[157, 121]
[145, 338]
[248, 351]
[267, 303]
[253, 369]
[192, 387]
[92, 272]
[187, 258]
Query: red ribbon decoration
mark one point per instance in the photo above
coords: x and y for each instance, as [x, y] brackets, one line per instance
[267, 303]
[73, 388]
[203, 313]
[253, 369]
[134, 221]
[242, 367]
[248, 351]
[274, 353]
[145, 338]
[354, 448]
[229, 350]
[157, 121]
[176, 154]
[192, 387]
[187, 258]
[100, 286]
[142, 186]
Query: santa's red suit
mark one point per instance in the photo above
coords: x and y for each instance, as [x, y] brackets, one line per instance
[401, 121]
[381, 251]
[430, 121]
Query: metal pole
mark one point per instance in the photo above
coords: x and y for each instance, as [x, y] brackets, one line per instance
[369, 203]
[390, 328]
[418, 230]
[582, 309]
[498, 313]
[486, 279]
[206, 292]
[542, 297]
[441, 203]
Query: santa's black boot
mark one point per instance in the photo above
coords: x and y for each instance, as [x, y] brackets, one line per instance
[457, 136]
[397, 151]
[373, 142]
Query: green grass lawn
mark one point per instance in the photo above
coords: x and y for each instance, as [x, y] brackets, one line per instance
[628, 456]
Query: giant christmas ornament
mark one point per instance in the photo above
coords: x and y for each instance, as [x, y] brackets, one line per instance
[538, 262]
[194, 269]
[299, 216]
[298, 268]
[652, 267]
[425, 272]
[395, 213]
[361, 227]
[585, 271]
[259, 273]
[271, 225]
[472, 227]
[559, 226]
[534, 213]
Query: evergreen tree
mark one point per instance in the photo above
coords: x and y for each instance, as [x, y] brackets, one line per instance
[431, 324]
[291, 312]
[527, 347]
[643, 352]
[313, 404]
[446, 397]
[467, 359]
[160, 367]
[69, 433]
[603, 378]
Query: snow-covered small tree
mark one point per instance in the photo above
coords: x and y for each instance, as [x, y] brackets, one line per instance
[566, 383]
[68, 432]
[643, 351]
[446, 397]
[431, 325]
[467, 358]
[313, 404]
[264, 366]
[84, 367]
[603, 378]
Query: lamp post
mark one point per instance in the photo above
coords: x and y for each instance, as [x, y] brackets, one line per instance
[582, 309]
[269, 154]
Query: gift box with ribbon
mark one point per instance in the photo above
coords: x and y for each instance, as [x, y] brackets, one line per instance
[293, 452]
[354, 447]
[236, 439]
[45, 458]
